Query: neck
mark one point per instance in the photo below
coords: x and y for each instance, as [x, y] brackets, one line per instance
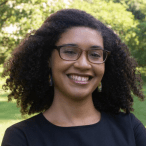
[72, 111]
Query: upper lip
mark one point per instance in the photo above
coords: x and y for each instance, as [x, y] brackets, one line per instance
[78, 74]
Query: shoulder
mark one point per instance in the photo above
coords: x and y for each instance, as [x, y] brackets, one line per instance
[25, 125]
[17, 134]
[138, 128]
[128, 122]
[124, 120]
[122, 116]
[119, 117]
[129, 118]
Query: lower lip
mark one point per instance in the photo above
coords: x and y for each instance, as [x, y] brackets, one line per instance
[79, 82]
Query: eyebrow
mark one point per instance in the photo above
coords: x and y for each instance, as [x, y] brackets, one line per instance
[91, 47]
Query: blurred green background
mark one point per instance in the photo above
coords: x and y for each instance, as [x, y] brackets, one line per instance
[20, 17]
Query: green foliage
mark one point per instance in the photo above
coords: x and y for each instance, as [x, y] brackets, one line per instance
[136, 36]
[137, 7]
[22, 16]
[137, 43]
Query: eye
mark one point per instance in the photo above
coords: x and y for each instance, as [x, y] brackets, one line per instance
[69, 52]
[95, 55]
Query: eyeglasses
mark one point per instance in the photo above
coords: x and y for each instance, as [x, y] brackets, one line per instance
[71, 53]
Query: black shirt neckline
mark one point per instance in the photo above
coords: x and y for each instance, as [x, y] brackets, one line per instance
[72, 127]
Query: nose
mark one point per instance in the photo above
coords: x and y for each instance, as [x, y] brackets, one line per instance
[82, 63]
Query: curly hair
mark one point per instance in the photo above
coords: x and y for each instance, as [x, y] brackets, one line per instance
[28, 69]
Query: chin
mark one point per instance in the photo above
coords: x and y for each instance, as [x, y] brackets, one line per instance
[80, 96]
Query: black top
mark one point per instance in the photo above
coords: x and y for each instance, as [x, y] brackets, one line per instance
[124, 130]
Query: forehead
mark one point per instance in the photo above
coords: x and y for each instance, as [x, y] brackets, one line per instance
[82, 36]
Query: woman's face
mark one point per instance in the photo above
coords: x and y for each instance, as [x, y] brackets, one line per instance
[68, 76]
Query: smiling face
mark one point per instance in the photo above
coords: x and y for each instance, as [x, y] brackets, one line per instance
[72, 78]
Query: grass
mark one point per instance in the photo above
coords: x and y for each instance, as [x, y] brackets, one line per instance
[10, 113]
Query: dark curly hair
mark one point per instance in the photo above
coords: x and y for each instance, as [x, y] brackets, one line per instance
[28, 69]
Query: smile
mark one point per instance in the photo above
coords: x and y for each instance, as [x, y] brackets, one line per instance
[79, 79]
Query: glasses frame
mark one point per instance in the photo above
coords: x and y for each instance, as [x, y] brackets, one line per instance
[81, 50]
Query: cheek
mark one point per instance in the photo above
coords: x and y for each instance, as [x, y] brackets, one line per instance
[59, 68]
[99, 70]
[55, 62]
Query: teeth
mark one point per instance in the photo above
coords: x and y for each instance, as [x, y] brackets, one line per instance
[79, 78]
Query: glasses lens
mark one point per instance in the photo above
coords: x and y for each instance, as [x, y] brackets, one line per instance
[69, 52]
[97, 56]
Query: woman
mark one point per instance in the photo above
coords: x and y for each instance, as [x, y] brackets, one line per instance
[78, 75]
